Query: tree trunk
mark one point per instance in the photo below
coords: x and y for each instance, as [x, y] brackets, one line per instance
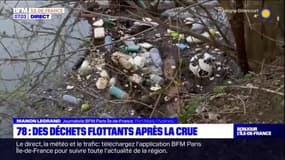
[237, 24]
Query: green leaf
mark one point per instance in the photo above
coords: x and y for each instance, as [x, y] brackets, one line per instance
[174, 35]
[218, 90]
[247, 77]
[85, 107]
[108, 23]
[190, 109]
[123, 50]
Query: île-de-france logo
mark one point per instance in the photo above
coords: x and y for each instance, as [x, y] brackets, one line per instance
[36, 13]
[265, 13]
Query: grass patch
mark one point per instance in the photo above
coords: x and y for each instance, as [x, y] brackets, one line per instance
[190, 108]
[192, 105]
[218, 90]
[248, 77]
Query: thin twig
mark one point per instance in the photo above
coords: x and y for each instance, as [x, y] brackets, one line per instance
[242, 101]
[257, 88]
[155, 106]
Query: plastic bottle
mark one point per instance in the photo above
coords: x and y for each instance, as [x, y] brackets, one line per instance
[129, 42]
[72, 100]
[136, 78]
[117, 92]
[108, 43]
[133, 48]
[155, 57]
[156, 78]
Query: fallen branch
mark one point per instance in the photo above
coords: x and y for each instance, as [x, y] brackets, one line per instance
[256, 88]
[155, 105]
[136, 102]
[221, 46]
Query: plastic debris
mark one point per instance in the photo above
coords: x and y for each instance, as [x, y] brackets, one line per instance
[146, 23]
[198, 49]
[88, 76]
[78, 63]
[166, 98]
[211, 78]
[69, 87]
[132, 112]
[169, 31]
[219, 68]
[99, 32]
[158, 35]
[104, 74]
[139, 61]
[117, 55]
[156, 79]
[126, 63]
[129, 42]
[122, 59]
[174, 12]
[103, 3]
[108, 43]
[147, 19]
[201, 65]
[147, 58]
[145, 45]
[218, 75]
[206, 34]
[213, 116]
[155, 56]
[182, 46]
[72, 100]
[188, 20]
[181, 37]
[101, 83]
[141, 3]
[85, 68]
[149, 61]
[196, 27]
[206, 69]
[98, 23]
[133, 48]
[191, 39]
[152, 69]
[136, 78]
[112, 81]
[194, 68]
[117, 92]
[85, 107]
[163, 5]
[155, 88]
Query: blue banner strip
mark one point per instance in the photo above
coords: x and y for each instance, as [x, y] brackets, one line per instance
[248, 131]
[95, 120]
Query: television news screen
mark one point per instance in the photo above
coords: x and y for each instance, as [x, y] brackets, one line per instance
[142, 79]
